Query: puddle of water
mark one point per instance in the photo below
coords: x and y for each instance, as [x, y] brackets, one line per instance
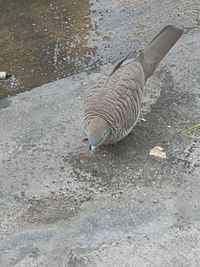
[43, 40]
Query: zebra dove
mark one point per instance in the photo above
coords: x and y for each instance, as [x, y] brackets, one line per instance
[112, 107]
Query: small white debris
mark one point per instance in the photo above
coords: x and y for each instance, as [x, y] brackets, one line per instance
[4, 75]
[143, 119]
[157, 151]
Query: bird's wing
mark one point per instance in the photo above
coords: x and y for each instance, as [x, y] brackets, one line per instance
[117, 97]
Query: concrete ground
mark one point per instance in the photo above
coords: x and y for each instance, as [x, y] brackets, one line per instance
[62, 207]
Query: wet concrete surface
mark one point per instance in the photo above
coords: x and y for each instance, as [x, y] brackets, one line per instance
[62, 207]
[42, 41]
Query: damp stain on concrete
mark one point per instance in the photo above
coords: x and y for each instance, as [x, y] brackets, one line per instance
[42, 41]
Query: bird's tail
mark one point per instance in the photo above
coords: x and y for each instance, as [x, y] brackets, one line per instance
[151, 56]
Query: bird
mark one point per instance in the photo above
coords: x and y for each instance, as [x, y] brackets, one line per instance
[111, 108]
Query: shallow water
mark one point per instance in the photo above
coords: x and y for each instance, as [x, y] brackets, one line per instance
[43, 40]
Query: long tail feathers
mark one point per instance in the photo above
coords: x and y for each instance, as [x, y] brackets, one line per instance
[158, 48]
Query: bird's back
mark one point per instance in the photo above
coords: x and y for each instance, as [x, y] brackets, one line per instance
[117, 99]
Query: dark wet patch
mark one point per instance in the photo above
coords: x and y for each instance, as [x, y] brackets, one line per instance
[4, 103]
[53, 207]
[42, 41]
[50, 208]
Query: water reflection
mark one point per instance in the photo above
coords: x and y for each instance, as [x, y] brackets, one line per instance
[43, 40]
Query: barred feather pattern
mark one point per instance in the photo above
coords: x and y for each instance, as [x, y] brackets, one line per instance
[117, 99]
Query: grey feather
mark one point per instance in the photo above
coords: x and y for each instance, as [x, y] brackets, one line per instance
[112, 106]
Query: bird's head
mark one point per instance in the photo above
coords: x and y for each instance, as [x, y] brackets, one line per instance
[97, 132]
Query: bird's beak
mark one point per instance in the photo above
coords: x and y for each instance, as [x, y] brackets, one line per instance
[93, 149]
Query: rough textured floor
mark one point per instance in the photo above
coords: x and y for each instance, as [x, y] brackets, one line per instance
[61, 207]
